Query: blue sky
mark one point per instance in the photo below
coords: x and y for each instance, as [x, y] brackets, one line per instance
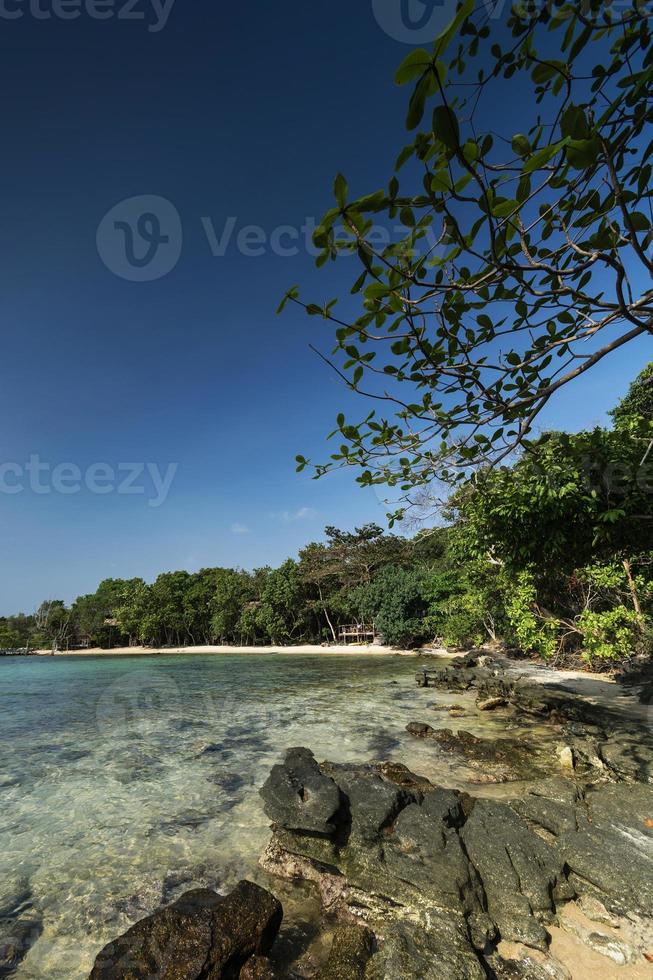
[243, 110]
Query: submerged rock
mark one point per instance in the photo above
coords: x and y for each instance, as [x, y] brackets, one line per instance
[17, 936]
[202, 935]
[420, 729]
[351, 951]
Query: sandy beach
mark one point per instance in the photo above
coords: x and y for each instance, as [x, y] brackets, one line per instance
[302, 649]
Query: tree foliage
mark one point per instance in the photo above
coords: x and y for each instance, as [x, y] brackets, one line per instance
[525, 257]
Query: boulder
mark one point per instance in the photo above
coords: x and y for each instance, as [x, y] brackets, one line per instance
[372, 802]
[420, 729]
[202, 936]
[298, 796]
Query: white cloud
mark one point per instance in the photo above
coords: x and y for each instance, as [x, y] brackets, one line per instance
[239, 528]
[290, 517]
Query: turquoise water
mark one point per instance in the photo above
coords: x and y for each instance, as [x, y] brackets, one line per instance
[126, 780]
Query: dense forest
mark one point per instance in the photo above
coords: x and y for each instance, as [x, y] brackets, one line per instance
[551, 555]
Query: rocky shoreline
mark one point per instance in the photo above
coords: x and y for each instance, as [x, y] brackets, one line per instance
[542, 870]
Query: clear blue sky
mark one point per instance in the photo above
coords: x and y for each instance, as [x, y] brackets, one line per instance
[247, 110]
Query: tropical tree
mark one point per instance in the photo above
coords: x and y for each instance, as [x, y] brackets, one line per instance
[525, 255]
[636, 409]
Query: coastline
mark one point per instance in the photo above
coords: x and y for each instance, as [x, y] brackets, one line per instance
[300, 649]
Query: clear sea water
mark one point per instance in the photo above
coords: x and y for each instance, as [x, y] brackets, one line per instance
[126, 780]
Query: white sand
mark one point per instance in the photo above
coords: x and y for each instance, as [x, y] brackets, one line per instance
[306, 648]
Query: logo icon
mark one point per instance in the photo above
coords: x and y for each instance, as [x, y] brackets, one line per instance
[413, 21]
[137, 705]
[140, 239]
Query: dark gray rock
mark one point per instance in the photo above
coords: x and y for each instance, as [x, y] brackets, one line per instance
[604, 836]
[527, 968]
[610, 865]
[298, 796]
[628, 757]
[441, 952]
[420, 729]
[426, 854]
[372, 801]
[202, 935]
[519, 870]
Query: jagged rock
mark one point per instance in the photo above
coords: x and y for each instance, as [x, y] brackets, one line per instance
[611, 866]
[490, 704]
[527, 968]
[298, 796]
[452, 678]
[373, 802]
[420, 729]
[500, 759]
[351, 950]
[440, 952]
[553, 815]
[425, 851]
[566, 757]
[519, 871]
[446, 875]
[202, 935]
[401, 775]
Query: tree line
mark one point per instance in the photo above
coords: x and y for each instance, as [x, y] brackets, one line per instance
[552, 555]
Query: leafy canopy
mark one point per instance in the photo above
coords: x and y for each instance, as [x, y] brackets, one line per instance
[525, 256]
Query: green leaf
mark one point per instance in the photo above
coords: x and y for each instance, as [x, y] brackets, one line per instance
[340, 189]
[418, 102]
[441, 181]
[541, 157]
[445, 126]
[503, 208]
[291, 294]
[639, 221]
[443, 39]
[543, 73]
[521, 145]
[574, 123]
[582, 154]
[414, 65]
[471, 151]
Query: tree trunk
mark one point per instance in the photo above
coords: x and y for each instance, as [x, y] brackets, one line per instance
[326, 615]
[634, 595]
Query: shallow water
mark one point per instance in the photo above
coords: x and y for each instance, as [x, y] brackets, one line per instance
[126, 780]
